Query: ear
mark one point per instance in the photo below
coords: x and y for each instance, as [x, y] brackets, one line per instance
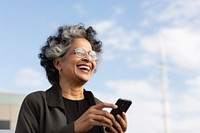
[57, 65]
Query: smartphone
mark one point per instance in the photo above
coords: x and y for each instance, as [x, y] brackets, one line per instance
[123, 105]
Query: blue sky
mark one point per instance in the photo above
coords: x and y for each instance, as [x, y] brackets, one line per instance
[135, 34]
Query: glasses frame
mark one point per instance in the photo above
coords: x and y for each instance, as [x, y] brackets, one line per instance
[93, 57]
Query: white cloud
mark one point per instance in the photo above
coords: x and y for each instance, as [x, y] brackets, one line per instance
[146, 109]
[119, 38]
[182, 46]
[103, 26]
[188, 125]
[181, 11]
[29, 78]
[189, 104]
[142, 60]
[108, 55]
[116, 36]
[182, 43]
[178, 30]
[186, 108]
[145, 23]
[175, 12]
[140, 88]
[189, 101]
[194, 82]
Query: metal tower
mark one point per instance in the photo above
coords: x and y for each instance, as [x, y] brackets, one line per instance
[165, 95]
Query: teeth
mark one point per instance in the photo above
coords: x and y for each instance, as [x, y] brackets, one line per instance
[84, 67]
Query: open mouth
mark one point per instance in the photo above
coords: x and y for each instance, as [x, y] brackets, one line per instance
[84, 68]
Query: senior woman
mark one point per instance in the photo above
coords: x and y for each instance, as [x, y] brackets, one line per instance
[69, 58]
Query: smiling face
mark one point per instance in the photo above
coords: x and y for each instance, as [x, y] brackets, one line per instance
[75, 69]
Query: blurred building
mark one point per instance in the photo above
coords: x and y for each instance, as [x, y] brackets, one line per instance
[9, 108]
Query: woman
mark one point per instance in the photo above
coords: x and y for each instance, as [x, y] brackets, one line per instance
[69, 59]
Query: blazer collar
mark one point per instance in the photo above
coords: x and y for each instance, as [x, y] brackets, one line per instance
[54, 97]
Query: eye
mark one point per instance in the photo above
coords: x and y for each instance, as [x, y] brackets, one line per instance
[80, 52]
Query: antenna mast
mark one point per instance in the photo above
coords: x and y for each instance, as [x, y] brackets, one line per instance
[165, 96]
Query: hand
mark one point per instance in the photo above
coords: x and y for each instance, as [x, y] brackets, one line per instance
[122, 121]
[121, 125]
[95, 116]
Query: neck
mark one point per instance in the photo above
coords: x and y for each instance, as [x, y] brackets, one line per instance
[72, 92]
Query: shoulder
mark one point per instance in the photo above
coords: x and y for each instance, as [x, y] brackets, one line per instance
[35, 95]
[34, 98]
[33, 103]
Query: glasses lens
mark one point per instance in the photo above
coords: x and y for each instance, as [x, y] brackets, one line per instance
[80, 52]
[93, 55]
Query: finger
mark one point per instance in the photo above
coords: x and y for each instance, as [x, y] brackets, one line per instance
[105, 105]
[117, 127]
[104, 119]
[94, 110]
[124, 116]
[97, 120]
[122, 122]
[101, 116]
[111, 130]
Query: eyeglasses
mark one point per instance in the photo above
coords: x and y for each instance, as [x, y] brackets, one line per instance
[82, 53]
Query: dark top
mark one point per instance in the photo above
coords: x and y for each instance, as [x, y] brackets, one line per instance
[44, 112]
[75, 108]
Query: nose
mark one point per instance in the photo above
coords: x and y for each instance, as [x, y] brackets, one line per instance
[87, 57]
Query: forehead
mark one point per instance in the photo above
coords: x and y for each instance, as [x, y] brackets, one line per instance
[81, 43]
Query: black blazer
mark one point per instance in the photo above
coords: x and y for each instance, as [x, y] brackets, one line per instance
[44, 112]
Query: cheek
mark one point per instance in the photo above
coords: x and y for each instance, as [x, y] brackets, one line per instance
[94, 65]
[71, 61]
[67, 65]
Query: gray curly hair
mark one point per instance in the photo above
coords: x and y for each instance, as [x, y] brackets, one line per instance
[56, 46]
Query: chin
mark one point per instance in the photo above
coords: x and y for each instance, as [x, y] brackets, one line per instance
[83, 79]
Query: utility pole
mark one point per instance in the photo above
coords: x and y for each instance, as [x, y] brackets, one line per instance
[165, 95]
